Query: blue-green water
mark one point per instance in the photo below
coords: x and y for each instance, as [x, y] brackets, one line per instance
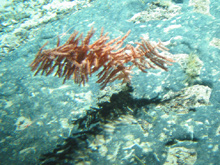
[159, 118]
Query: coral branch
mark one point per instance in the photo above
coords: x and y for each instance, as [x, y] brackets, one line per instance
[78, 59]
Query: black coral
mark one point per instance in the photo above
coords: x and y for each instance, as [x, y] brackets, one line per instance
[78, 59]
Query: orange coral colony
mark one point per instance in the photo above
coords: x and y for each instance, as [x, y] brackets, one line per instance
[78, 59]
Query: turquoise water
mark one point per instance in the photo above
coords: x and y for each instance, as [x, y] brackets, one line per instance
[168, 115]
